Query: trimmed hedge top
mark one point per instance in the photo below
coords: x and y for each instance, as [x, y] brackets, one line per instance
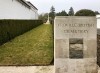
[12, 28]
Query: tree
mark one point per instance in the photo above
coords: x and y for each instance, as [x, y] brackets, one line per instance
[43, 17]
[52, 14]
[62, 13]
[71, 11]
[96, 13]
[85, 12]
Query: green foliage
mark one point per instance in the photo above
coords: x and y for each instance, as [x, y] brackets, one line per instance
[85, 12]
[12, 28]
[62, 13]
[96, 12]
[43, 17]
[71, 12]
[52, 14]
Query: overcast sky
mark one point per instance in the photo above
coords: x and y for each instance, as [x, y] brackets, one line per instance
[45, 5]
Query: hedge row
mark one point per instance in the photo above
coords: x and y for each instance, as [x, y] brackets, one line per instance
[12, 28]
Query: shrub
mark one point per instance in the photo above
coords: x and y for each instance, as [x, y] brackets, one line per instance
[12, 28]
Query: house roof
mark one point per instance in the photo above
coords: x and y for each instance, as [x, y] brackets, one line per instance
[27, 4]
[31, 5]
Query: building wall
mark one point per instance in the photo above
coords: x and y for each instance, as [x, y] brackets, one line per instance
[12, 9]
[35, 14]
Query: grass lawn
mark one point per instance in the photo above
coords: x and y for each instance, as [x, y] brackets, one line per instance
[32, 48]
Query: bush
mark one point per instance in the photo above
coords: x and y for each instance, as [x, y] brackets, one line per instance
[12, 28]
[85, 12]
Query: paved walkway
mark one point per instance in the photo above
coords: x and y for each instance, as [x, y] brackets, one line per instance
[30, 69]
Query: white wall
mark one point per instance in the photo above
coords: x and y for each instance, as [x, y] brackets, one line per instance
[34, 14]
[11, 9]
[98, 21]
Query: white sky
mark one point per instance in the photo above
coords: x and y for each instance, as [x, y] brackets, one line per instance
[45, 5]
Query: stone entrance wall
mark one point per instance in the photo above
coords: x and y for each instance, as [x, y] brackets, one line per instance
[75, 44]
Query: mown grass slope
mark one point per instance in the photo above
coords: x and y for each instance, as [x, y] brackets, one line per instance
[32, 48]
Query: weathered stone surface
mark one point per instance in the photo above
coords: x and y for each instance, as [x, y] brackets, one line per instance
[90, 65]
[76, 48]
[61, 51]
[76, 41]
[27, 69]
[75, 44]
[62, 66]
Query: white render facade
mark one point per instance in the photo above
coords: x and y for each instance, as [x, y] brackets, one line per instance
[17, 9]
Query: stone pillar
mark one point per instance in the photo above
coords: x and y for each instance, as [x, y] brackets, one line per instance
[98, 21]
[75, 44]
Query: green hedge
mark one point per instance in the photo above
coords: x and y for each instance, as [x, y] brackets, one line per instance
[12, 28]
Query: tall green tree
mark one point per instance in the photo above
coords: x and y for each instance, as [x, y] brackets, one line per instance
[71, 11]
[62, 13]
[52, 14]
